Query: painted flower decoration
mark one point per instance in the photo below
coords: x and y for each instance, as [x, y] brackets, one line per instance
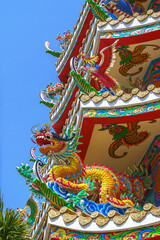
[59, 86]
[50, 88]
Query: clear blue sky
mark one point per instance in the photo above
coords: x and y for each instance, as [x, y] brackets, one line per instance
[25, 69]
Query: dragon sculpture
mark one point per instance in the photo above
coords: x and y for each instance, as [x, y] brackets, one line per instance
[130, 59]
[70, 173]
[122, 135]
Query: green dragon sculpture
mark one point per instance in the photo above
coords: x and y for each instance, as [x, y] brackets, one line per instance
[69, 172]
[83, 85]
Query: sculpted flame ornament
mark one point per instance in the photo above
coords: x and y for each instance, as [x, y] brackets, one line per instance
[72, 175]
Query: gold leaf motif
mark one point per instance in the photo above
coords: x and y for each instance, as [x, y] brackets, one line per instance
[40, 213]
[92, 94]
[119, 93]
[120, 219]
[138, 216]
[150, 87]
[156, 14]
[142, 94]
[95, 214]
[120, 18]
[67, 217]
[111, 98]
[105, 94]
[85, 220]
[135, 15]
[150, 11]
[112, 213]
[101, 221]
[102, 24]
[135, 91]
[155, 211]
[142, 17]
[97, 99]
[63, 210]
[53, 214]
[156, 90]
[70, 112]
[114, 22]
[109, 19]
[128, 20]
[85, 98]
[147, 206]
[126, 96]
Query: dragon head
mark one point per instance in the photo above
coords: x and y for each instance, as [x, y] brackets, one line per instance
[50, 141]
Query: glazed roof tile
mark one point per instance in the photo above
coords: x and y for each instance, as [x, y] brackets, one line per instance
[84, 218]
[120, 94]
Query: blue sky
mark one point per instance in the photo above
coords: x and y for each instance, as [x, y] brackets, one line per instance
[25, 69]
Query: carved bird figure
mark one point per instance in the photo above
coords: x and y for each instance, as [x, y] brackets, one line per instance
[99, 72]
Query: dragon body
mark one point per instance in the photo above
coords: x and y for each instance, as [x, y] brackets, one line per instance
[71, 174]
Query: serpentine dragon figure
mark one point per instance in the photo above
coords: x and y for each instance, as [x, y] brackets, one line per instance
[71, 174]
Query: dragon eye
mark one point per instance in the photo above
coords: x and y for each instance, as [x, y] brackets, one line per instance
[48, 137]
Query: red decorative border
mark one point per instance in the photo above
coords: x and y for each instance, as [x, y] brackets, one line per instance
[141, 38]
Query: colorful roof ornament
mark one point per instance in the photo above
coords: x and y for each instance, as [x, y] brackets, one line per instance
[51, 93]
[105, 185]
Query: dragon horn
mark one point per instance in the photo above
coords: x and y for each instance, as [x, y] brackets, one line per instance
[33, 127]
[32, 138]
[47, 126]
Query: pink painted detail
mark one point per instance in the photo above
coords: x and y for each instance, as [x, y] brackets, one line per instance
[157, 143]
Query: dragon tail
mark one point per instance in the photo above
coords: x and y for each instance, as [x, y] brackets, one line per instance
[32, 204]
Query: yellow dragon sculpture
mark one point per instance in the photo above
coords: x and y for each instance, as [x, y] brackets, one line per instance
[71, 174]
